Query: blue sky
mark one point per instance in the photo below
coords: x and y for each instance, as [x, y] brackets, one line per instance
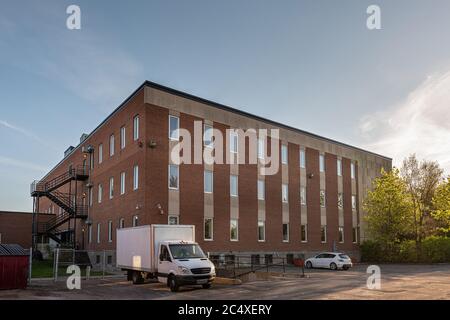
[310, 64]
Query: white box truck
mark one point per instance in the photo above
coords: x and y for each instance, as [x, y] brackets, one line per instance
[166, 252]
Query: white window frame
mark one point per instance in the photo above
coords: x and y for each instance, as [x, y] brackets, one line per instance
[90, 233]
[234, 141]
[135, 221]
[123, 137]
[135, 177]
[109, 231]
[122, 182]
[322, 163]
[353, 202]
[91, 196]
[340, 200]
[98, 232]
[262, 223]
[339, 167]
[306, 233]
[302, 158]
[208, 128]
[100, 193]
[282, 230]
[121, 223]
[234, 178]
[205, 173]
[341, 228]
[176, 136]
[355, 233]
[111, 145]
[212, 229]
[284, 192]
[261, 186]
[178, 177]
[237, 229]
[302, 195]
[352, 170]
[111, 187]
[136, 127]
[100, 153]
[324, 198]
[284, 154]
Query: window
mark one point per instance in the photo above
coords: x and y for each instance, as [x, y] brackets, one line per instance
[173, 220]
[173, 176]
[284, 192]
[352, 170]
[100, 153]
[122, 138]
[208, 136]
[111, 145]
[340, 200]
[98, 232]
[302, 195]
[135, 221]
[261, 231]
[302, 158]
[322, 163]
[121, 223]
[110, 231]
[322, 198]
[136, 128]
[122, 183]
[353, 202]
[261, 191]
[304, 233]
[285, 232]
[284, 154]
[261, 149]
[90, 234]
[100, 193]
[233, 142]
[91, 195]
[208, 229]
[208, 181]
[323, 234]
[234, 230]
[111, 187]
[135, 177]
[354, 235]
[233, 186]
[341, 234]
[174, 126]
[339, 167]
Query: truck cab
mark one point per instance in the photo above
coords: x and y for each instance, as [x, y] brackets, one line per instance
[184, 263]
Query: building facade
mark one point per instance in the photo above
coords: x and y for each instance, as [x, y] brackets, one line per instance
[311, 203]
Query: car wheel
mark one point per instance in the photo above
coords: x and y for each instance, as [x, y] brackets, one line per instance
[308, 265]
[206, 285]
[173, 285]
[137, 277]
[333, 266]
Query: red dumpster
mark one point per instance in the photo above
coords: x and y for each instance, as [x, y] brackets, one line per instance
[13, 267]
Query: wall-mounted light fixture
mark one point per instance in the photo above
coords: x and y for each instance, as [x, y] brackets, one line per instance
[152, 144]
[159, 207]
[311, 175]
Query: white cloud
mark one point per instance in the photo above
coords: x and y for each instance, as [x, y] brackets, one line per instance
[25, 133]
[22, 164]
[420, 124]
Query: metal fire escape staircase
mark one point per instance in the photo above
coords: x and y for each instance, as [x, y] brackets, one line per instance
[66, 201]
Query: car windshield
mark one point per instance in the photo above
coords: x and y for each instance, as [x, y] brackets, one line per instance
[344, 256]
[186, 251]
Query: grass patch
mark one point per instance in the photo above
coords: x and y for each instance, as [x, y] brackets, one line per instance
[44, 269]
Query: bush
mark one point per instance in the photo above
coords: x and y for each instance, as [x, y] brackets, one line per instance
[434, 249]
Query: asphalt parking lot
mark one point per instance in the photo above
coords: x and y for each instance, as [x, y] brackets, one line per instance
[397, 282]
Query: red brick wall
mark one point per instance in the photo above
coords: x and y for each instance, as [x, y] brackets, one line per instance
[313, 198]
[347, 189]
[331, 185]
[294, 196]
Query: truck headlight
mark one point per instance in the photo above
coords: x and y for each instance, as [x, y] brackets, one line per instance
[183, 269]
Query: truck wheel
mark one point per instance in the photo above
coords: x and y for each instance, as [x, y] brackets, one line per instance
[137, 277]
[206, 285]
[173, 284]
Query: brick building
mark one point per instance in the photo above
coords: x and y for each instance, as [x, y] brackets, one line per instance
[128, 178]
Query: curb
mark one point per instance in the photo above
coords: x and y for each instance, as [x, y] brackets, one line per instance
[227, 281]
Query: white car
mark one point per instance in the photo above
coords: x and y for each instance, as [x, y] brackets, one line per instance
[330, 260]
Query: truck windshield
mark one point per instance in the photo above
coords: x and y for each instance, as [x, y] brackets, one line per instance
[186, 251]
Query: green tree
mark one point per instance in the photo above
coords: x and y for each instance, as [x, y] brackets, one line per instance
[388, 206]
[421, 179]
[441, 203]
